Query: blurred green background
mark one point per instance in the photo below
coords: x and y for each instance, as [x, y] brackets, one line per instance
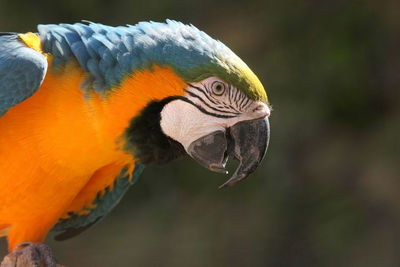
[327, 193]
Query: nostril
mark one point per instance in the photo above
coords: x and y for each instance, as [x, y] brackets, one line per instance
[262, 108]
[259, 107]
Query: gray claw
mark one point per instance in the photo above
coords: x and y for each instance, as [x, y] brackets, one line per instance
[28, 254]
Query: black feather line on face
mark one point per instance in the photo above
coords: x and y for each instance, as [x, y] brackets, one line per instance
[145, 138]
[204, 93]
[210, 107]
[205, 111]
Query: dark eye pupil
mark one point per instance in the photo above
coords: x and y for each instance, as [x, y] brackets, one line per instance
[218, 88]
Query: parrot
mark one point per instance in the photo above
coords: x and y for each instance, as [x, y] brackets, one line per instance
[84, 107]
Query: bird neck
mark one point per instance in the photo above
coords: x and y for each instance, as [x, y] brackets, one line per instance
[145, 139]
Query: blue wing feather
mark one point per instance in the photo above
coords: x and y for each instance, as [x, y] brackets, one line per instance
[22, 71]
[104, 204]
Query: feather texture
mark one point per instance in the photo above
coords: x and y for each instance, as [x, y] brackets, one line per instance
[111, 53]
[103, 204]
[22, 70]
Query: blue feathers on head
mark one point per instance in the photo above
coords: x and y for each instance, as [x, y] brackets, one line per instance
[110, 53]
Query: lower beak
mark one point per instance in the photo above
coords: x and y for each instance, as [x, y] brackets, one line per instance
[246, 141]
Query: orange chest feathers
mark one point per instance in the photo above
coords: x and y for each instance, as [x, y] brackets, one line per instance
[63, 135]
[74, 128]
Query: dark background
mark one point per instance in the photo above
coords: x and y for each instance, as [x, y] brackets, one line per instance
[327, 192]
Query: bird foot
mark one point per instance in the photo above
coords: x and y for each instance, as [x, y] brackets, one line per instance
[28, 254]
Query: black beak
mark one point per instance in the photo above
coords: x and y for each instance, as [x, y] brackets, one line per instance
[246, 141]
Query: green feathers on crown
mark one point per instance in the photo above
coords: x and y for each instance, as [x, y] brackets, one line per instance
[234, 72]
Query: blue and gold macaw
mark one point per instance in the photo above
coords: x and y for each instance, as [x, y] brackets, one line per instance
[84, 107]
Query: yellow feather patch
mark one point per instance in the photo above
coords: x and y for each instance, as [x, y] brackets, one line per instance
[32, 40]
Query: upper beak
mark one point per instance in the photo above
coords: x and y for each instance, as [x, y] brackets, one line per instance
[247, 141]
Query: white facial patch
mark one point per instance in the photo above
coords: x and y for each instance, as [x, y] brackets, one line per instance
[186, 120]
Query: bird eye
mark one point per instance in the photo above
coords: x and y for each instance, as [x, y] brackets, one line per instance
[218, 88]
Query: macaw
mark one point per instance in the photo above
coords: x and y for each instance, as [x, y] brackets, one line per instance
[84, 107]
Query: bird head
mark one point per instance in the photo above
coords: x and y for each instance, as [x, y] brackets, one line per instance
[222, 111]
[216, 120]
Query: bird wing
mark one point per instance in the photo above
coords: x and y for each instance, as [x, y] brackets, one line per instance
[76, 223]
[22, 70]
